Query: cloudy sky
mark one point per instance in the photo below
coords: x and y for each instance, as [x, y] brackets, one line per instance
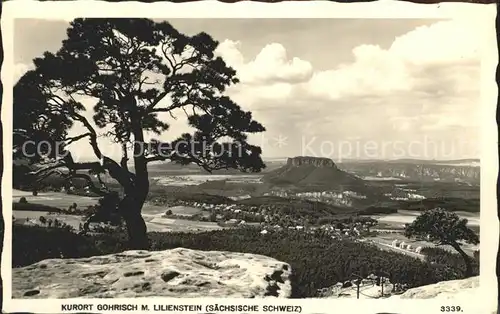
[338, 88]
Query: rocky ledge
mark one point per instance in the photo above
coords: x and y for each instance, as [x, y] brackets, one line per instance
[172, 273]
[462, 289]
[465, 289]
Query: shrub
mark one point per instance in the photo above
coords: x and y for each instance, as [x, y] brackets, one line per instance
[23, 200]
[213, 217]
[107, 228]
[453, 260]
[31, 244]
[169, 212]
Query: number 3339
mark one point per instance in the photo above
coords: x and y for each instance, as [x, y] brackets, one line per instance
[451, 309]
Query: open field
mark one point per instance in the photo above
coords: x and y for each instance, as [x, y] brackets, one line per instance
[159, 224]
[151, 213]
[402, 217]
[63, 200]
[154, 223]
[195, 179]
[55, 199]
[186, 211]
[23, 216]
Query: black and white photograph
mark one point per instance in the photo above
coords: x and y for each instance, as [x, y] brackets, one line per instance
[271, 158]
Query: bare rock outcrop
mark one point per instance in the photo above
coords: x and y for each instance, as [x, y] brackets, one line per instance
[465, 289]
[180, 272]
[454, 289]
[312, 161]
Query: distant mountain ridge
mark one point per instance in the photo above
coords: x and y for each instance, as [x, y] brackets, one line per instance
[436, 161]
[461, 169]
[445, 171]
[401, 160]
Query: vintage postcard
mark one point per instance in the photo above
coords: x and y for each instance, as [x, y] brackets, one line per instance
[249, 158]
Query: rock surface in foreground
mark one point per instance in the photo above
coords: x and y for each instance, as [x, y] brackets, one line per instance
[465, 289]
[171, 273]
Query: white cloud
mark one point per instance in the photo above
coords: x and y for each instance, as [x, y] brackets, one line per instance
[403, 66]
[424, 84]
[374, 71]
[440, 43]
[271, 65]
[229, 50]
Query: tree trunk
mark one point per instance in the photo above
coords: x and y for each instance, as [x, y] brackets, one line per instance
[130, 209]
[137, 232]
[467, 260]
[136, 227]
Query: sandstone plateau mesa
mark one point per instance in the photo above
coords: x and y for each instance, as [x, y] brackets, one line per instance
[180, 273]
[312, 161]
[314, 171]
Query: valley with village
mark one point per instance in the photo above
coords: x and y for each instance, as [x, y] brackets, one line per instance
[367, 203]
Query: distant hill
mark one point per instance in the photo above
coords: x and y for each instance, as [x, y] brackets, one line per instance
[320, 173]
[467, 161]
[453, 170]
[172, 168]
